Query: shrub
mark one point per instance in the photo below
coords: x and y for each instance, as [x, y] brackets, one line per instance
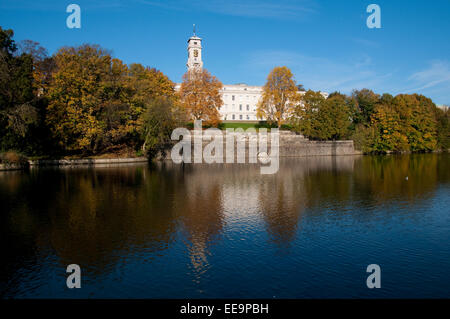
[13, 157]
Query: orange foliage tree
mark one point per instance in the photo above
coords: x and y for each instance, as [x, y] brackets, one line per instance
[280, 96]
[200, 96]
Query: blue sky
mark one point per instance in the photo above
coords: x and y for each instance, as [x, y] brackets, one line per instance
[326, 44]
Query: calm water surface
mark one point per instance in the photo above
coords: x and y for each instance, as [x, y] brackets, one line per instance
[168, 231]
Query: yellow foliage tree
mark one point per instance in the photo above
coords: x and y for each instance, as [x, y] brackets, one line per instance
[280, 96]
[97, 103]
[200, 96]
[386, 122]
[74, 96]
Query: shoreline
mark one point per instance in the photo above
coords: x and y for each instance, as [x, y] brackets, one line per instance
[132, 160]
[72, 162]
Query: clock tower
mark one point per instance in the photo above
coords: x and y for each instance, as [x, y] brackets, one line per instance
[194, 49]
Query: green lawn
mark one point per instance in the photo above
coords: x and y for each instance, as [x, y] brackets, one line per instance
[239, 125]
[256, 126]
[243, 125]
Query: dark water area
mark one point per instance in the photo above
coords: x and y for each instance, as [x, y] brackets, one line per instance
[226, 231]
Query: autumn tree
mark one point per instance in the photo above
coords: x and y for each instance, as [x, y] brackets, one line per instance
[279, 97]
[76, 97]
[418, 121]
[147, 84]
[200, 96]
[388, 130]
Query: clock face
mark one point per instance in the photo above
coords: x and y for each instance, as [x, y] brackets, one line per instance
[195, 53]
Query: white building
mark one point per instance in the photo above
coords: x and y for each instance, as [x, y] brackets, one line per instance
[239, 100]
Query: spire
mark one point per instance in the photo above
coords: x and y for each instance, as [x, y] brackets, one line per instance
[194, 29]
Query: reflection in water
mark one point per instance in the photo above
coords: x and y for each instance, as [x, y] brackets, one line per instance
[225, 230]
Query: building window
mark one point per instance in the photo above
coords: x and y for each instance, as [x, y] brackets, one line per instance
[240, 107]
[240, 117]
[248, 107]
[232, 97]
[248, 117]
[233, 116]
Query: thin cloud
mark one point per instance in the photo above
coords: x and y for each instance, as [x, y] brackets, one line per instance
[262, 9]
[437, 74]
[251, 8]
[320, 73]
[366, 43]
[52, 5]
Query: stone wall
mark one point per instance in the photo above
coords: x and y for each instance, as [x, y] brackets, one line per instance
[290, 145]
[293, 145]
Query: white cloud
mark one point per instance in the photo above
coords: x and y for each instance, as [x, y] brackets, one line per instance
[436, 75]
[319, 73]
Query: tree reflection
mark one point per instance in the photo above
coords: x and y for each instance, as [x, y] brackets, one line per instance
[100, 217]
[300, 184]
[198, 203]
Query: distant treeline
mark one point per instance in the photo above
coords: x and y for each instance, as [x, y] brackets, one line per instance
[376, 123]
[81, 101]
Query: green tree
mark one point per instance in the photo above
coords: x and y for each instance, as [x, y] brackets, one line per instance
[304, 115]
[443, 128]
[18, 113]
[161, 117]
[333, 119]
[320, 118]
[366, 100]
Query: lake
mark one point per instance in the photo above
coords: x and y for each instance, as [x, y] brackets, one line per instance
[226, 231]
